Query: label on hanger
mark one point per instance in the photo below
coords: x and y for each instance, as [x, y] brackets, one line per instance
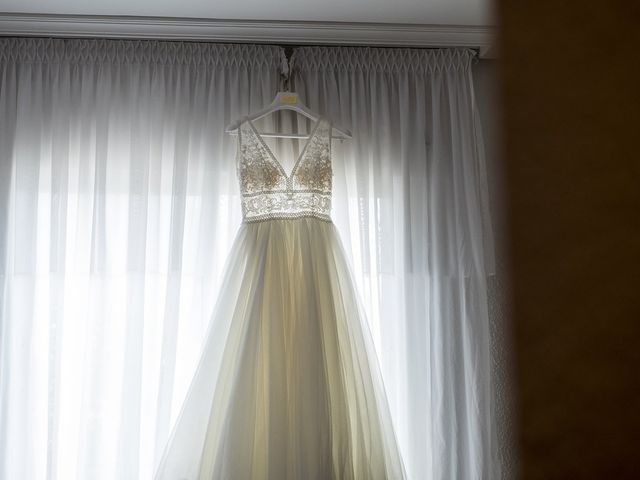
[291, 98]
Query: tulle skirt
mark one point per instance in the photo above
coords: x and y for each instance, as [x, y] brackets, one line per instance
[288, 385]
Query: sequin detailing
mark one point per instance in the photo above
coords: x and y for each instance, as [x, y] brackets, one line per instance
[268, 192]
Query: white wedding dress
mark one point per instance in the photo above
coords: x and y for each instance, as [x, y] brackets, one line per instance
[288, 385]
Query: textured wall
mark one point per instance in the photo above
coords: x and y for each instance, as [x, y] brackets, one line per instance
[486, 86]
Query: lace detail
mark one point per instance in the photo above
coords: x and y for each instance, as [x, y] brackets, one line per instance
[314, 170]
[268, 192]
[256, 172]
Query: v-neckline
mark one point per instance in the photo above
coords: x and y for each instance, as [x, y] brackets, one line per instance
[273, 157]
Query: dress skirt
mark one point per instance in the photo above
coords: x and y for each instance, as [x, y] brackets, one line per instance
[288, 385]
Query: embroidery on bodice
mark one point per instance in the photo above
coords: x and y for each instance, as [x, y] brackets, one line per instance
[266, 189]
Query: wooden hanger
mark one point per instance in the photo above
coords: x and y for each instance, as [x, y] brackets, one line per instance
[285, 100]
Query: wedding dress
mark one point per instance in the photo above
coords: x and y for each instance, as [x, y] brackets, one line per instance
[288, 386]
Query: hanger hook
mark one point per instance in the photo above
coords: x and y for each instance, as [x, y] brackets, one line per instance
[287, 68]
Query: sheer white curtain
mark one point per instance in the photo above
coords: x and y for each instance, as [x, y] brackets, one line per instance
[118, 203]
[411, 204]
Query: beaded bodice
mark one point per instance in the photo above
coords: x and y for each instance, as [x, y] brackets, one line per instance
[267, 191]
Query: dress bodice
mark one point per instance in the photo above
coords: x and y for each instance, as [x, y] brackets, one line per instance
[266, 189]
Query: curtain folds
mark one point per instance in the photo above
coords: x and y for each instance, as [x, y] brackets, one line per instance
[118, 205]
[418, 229]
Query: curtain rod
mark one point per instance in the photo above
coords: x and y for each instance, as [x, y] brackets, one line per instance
[278, 32]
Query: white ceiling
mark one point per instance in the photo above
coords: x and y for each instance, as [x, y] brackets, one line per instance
[430, 12]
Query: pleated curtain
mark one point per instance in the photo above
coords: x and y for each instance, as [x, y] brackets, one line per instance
[118, 205]
[411, 202]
